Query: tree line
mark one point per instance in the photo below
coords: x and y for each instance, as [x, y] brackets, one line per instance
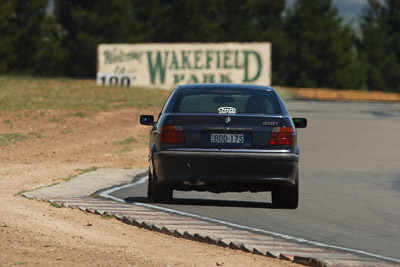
[311, 44]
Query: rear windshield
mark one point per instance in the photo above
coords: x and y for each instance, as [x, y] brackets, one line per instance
[226, 101]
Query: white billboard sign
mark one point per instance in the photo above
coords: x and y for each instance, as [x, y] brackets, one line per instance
[167, 65]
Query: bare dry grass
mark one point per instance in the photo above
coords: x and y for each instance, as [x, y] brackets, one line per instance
[28, 93]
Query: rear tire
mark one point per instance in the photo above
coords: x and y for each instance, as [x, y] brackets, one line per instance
[285, 197]
[158, 193]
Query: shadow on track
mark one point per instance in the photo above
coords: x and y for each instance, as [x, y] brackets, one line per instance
[207, 202]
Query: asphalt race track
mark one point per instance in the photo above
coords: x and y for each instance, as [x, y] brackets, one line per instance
[349, 182]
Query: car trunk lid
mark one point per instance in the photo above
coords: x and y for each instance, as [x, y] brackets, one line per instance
[226, 130]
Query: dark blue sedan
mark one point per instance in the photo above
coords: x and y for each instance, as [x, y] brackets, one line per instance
[224, 138]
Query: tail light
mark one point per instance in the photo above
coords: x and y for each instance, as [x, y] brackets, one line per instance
[172, 134]
[282, 136]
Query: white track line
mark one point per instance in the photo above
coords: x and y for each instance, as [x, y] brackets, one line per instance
[106, 194]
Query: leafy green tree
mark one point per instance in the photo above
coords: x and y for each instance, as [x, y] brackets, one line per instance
[153, 20]
[50, 57]
[380, 26]
[27, 19]
[88, 23]
[8, 55]
[196, 21]
[27, 43]
[177, 20]
[266, 17]
[322, 48]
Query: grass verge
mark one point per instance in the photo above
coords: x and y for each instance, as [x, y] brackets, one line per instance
[9, 138]
[29, 93]
[127, 141]
[91, 169]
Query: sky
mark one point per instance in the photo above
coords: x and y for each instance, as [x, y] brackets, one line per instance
[351, 10]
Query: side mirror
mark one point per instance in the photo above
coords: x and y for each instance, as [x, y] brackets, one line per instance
[147, 120]
[300, 122]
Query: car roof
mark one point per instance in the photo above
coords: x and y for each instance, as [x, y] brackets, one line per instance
[224, 86]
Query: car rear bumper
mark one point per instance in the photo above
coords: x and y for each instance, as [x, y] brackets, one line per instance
[196, 168]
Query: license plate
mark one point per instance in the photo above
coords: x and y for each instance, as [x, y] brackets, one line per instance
[227, 138]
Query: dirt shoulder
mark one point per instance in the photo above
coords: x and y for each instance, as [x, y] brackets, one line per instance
[39, 148]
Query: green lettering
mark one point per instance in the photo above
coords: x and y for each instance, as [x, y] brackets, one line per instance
[197, 59]
[193, 79]
[174, 62]
[208, 78]
[247, 79]
[158, 67]
[107, 55]
[237, 65]
[225, 78]
[178, 78]
[208, 58]
[218, 60]
[119, 70]
[133, 55]
[114, 56]
[227, 58]
[185, 60]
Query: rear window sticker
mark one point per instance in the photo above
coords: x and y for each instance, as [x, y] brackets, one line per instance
[227, 110]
